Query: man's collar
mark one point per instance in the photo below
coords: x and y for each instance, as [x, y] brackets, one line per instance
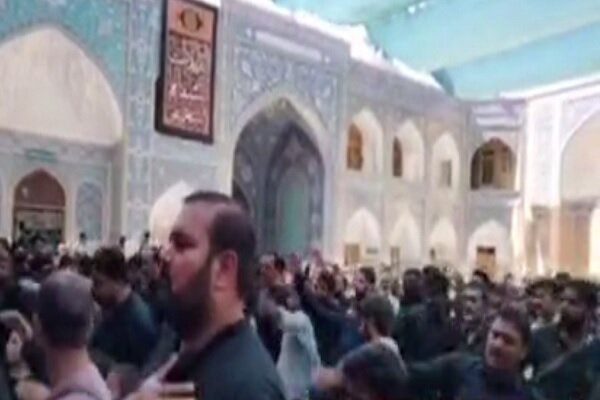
[189, 360]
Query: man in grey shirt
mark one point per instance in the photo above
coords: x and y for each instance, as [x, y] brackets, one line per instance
[65, 314]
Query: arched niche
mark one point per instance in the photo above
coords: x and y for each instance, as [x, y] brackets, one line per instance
[362, 238]
[443, 242]
[56, 90]
[364, 143]
[165, 210]
[410, 143]
[445, 163]
[493, 166]
[580, 166]
[39, 202]
[284, 186]
[405, 240]
[489, 248]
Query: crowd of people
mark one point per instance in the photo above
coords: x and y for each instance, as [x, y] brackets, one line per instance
[205, 318]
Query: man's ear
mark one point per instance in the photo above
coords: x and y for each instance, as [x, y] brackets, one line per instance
[226, 270]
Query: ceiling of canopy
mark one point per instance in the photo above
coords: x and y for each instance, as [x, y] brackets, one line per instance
[477, 48]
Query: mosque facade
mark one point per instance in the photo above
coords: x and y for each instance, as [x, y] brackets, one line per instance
[326, 150]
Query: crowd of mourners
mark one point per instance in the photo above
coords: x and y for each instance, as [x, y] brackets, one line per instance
[205, 318]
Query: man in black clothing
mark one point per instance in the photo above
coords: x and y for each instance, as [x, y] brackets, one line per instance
[412, 288]
[563, 355]
[474, 324]
[272, 268]
[426, 330]
[127, 332]
[578, 301]
[327, 316]
[495, 377]
[542, 295]
[6, 286]
[210, 265]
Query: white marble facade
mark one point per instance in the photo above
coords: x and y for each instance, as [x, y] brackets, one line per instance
[95, 118]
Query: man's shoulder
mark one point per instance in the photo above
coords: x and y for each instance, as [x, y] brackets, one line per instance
[250, 374]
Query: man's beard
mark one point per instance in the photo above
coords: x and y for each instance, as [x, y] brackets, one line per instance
[190, 311]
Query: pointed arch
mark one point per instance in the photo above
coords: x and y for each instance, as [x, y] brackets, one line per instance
[281, 95]
[413, 152]
[406, 237]
[39, 207]
[362, 237]
[445, 163]
[443, 242]
[283, 137]
[490, 248]
[355, 157]
[493, 166]
[165, 210]
[580, 154]
[56, 89]
[40, 189]
[366, 126]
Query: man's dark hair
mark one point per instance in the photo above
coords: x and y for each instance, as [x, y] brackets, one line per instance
[518, 318]
[110, 262]
[66, 261]
[232, 229]
[480, 287]
[279, 264]
[546, 284]
[65, 310]
[369, 274]
[413, 271]
[586, 292]
[485, 278]
[378, 370]
[379, 310]
[436, 283]
[327, 280]
[85, 264]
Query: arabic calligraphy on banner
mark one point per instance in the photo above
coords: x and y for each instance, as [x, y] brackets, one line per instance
[185, 87]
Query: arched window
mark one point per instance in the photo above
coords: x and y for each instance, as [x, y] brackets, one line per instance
[354, 153]
[493, 166]
[397, 159]
[39, 209]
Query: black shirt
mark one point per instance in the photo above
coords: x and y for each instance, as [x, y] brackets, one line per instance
[465, 377]
[233, 366]
[128, 333]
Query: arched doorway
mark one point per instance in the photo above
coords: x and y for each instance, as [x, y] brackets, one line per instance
[489, 249]
[443, 243]
[362, 239]
[39, 209]
[279, 177]
[580, 194]
[412, 150]
[405, 243]
[364, 147]
[445, 164]
[66, 112]
[493, 166]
